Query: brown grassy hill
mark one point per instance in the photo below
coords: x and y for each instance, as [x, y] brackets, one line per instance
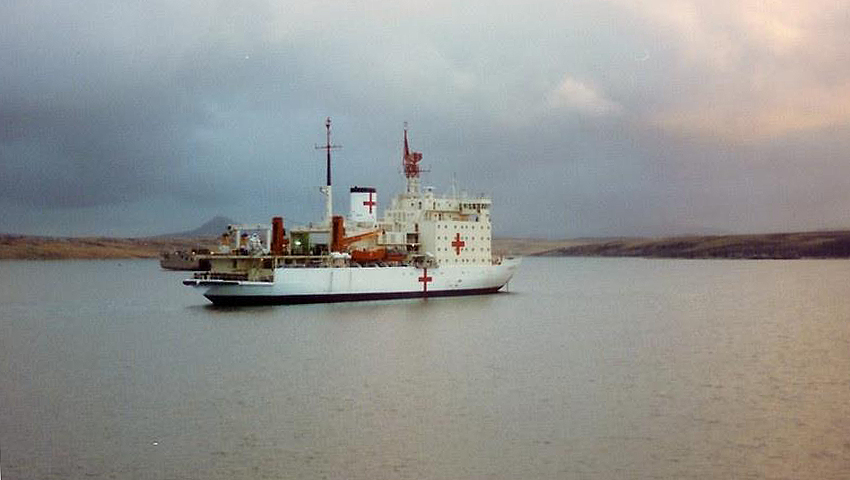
[778, 246]
[22, 247]
[781, 245]
[531, 246]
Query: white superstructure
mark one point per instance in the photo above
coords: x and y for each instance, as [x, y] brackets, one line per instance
[424, 245]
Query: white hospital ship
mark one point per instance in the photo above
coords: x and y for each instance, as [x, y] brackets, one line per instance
[426, 245]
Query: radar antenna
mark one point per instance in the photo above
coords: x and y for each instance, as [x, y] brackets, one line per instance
[411, 160]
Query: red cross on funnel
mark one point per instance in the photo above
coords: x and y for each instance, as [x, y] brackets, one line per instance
[370, 203]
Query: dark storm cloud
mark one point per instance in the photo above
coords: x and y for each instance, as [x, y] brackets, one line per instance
[581, 118]
[84, 120]
[106, 147]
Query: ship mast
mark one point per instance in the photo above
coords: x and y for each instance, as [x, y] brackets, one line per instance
[327, 189]
[411, 166]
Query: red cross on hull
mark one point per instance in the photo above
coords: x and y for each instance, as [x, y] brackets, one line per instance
[457, 243]
[425, 279]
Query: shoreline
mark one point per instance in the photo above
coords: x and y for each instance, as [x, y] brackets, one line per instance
[27, 247]
[780, 246]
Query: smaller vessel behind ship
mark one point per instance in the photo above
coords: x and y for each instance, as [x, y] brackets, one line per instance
[426, 245]
[194, 260]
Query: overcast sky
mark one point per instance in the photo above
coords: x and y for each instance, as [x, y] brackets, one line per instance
[580, 118]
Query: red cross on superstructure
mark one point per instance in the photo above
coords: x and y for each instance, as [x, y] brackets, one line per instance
[370, 203]
[458, 243]
[425, 279]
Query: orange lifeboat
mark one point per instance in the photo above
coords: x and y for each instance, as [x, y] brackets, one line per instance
[375, 255]
[396, 256]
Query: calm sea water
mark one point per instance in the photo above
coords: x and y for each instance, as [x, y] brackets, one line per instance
[587, 368]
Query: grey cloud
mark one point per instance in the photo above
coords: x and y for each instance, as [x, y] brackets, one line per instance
[597, 119]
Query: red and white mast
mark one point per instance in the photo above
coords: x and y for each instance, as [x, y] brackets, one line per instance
[411, 166]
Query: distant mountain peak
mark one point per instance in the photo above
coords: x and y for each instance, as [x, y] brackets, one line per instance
[212, 227]
[218, 221]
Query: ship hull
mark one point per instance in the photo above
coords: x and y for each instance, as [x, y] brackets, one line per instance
[326, 285]
[241, 300]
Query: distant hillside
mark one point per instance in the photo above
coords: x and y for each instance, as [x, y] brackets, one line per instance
[25, 247]
[19, 247]
[780, 246]
[532, 246]
[212, 228]
[767, 246]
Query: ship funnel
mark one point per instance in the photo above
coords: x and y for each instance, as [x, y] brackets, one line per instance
[337, 233]
[364, 204]
[278, 236]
